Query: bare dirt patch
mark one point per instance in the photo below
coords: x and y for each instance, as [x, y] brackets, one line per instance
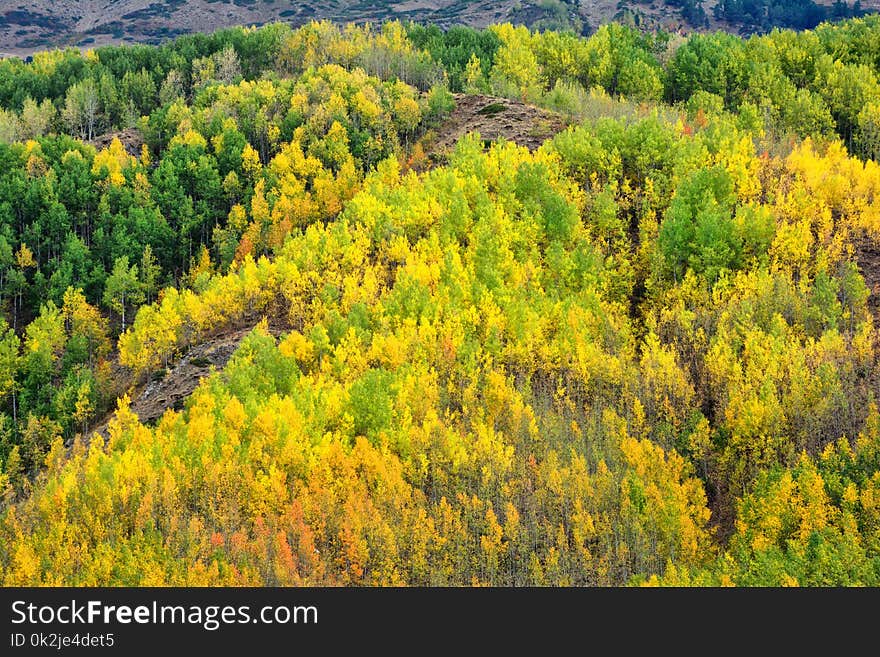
[494, 118]
[170, 388]
[868, 258]
[131, 138]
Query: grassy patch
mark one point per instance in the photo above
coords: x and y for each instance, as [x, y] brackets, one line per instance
[492, 109]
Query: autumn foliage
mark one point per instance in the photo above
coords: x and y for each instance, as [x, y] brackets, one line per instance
[644, 353]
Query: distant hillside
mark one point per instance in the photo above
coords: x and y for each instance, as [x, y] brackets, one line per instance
[30, 25]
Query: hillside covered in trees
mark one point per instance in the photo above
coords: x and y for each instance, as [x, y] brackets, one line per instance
[641, 352]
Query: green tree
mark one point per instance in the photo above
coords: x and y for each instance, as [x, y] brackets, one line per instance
[149, 273]
[82, 108]
[36, 119]
[10, 362]
[122, 288]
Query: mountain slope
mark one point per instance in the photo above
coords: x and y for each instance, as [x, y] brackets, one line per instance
[30, 25]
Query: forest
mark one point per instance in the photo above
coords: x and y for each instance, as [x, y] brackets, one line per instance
[766, 14]
[643, 353]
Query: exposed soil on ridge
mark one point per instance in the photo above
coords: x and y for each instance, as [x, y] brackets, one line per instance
[868, 258]
[131, 138]
[494, 118]
[169, 389]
